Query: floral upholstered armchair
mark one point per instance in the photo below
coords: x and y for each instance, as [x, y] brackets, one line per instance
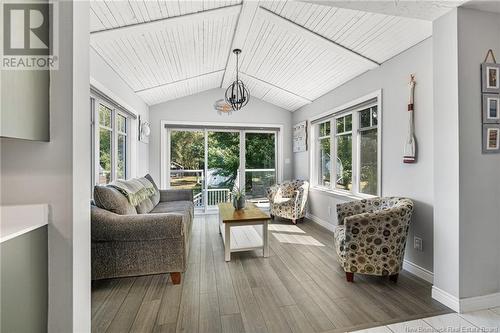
[371, 236]
[289, 199]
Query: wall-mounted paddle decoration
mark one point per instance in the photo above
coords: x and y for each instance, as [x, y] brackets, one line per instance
[410, 150]
[490, 90]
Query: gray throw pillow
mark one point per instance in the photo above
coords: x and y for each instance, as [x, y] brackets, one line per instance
[145, 206]
[155, 198]
[111, 199]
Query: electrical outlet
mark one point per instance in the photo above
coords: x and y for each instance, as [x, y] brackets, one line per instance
[418, 243]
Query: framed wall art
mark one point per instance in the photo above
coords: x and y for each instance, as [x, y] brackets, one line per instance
[491, 138]
[490, 74]
[491, 108]
[300, 137]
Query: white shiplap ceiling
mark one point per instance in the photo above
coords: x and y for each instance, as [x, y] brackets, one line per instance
[293, 51]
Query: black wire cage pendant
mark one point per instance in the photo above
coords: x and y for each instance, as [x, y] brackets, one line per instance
[237, 94]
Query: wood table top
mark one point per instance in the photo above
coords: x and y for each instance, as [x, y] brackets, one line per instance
[250, 213]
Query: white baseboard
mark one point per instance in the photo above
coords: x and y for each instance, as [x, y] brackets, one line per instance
[421, 272]
[466, 304]
[445, 298]
[480, 302]
[321, 222]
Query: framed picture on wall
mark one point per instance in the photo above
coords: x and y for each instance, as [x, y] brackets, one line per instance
[491, 138]
[491, 108]
[490, 78]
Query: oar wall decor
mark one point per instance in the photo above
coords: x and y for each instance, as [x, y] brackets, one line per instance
[410, 153]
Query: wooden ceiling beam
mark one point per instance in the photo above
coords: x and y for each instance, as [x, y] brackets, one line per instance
[270, 85]
[314, 37]
[245, 19]
[178, 81]
[167, 22]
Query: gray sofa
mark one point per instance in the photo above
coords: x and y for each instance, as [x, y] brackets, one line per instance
[150, 238]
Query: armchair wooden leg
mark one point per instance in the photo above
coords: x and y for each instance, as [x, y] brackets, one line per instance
[349, 276]
[272, 216]
[175, 277]
[394, 278]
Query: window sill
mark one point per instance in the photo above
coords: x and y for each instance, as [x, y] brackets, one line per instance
[341, 194]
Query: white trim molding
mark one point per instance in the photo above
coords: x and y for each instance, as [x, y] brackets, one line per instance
[479, 302]
[446, 298]
[466, 304]
[418, 271]
[327, 225]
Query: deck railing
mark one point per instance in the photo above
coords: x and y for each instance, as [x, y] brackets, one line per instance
[214, 197]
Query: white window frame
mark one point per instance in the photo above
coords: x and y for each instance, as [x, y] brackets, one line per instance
[332, 116]
[95, 101]
[241, 128]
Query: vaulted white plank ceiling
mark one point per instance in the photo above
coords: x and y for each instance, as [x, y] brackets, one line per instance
[293, 51]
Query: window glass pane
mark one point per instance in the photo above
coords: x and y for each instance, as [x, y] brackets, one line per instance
[324, 129]
[104, 156]
[325, 162]
[348, 123]
[121, 171]
[368, 162]
[121, 123]
[344, 162]
[104, 116]
[223, 165]
[364, 118]
[340, 125]
[260, 164]
[187, 162]
[374, 116]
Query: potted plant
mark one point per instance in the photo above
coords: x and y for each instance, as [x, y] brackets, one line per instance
[238, 198]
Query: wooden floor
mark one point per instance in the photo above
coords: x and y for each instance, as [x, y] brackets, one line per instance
[299, 288]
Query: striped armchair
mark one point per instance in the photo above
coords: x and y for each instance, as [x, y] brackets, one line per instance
[289, 199]
[371, 236]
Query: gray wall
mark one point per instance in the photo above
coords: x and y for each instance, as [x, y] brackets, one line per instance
[398, 179]
[58, 173]
[446, 154]
[199, 108]
[24, 104]
[479, 174]
[104, 78]
[23, 262]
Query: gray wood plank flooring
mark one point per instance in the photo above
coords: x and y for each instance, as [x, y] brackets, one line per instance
[299, 288]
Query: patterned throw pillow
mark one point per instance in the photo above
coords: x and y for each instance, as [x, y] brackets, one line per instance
[155, 198]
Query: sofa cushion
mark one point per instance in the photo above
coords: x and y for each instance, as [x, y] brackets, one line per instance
[111, 199]
[145, 206]
[155, 198]
[180, 207]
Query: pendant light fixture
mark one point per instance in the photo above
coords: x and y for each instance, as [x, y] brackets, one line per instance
[237, 94]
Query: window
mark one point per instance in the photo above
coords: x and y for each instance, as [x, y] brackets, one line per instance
[110, 149]
[343, 152]
[346, 150]
[324, 154]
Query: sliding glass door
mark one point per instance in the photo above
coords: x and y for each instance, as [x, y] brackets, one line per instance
[223, 157]
[260, 163]
[187, 162]
[212, 162]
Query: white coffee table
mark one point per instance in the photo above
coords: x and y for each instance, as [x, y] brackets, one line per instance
[238, 231]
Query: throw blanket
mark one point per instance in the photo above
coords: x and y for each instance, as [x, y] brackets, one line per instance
[136, 190]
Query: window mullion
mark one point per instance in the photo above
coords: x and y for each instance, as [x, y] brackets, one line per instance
[355, 152]
[114, 145]
[333, 156]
